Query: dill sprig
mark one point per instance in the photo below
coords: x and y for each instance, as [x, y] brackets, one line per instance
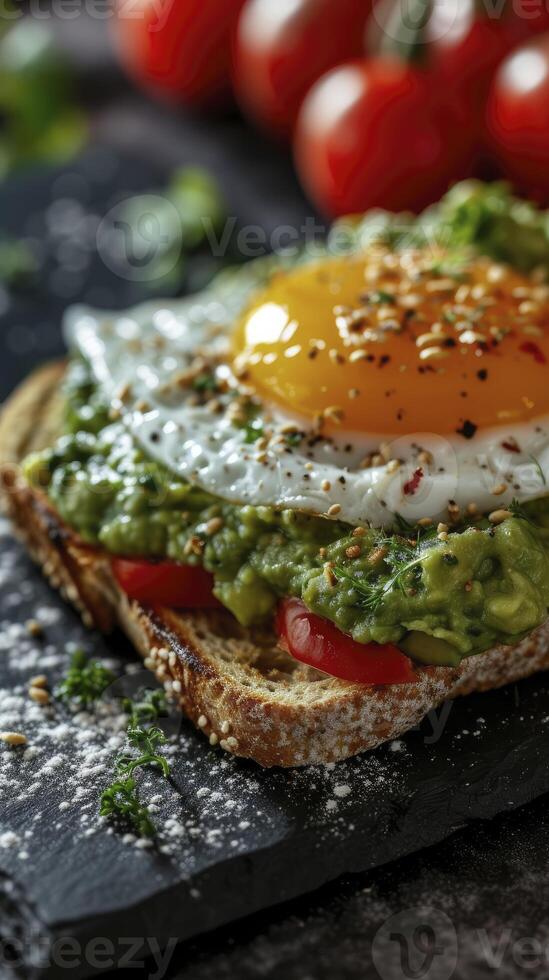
[518, 511]
[85, 681]
[120, 799]
[148, 706]
[146, 741]
[400, 554]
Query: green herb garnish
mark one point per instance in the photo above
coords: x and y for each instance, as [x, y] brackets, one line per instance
[253, 429]
[146, 741]
[518, 511]
[120, 799]
[85, 681]
[151, 704]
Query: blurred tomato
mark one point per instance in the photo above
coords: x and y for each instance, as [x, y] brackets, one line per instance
[458, 42]
[180, 48]
[466, 46]
[283, 46]
[370, 134]
[534, 14]
[518, 118]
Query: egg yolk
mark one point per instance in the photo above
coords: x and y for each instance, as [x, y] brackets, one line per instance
[398, 343]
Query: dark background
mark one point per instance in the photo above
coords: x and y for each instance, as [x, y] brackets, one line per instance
[490, 880]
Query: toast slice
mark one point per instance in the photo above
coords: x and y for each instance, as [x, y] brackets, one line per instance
[235, 684]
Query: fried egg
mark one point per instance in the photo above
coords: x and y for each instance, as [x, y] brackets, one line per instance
[360, 387]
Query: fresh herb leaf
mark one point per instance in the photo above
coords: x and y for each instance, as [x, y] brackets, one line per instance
[120, 800]
[518, 511]
[146, 741]
[381, 296]
[373, 592]
[253, 429]
[85, 681]
[205, 382]
[293, 438]
[148, 706]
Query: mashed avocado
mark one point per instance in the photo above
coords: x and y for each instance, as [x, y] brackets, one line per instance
[481, 586]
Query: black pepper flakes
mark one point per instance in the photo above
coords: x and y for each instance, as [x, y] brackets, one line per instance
[467, 430]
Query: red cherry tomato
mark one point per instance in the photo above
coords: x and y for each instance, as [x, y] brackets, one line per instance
[460, 45]
[319, 643]
[518, 118]
[283, 46]
[180, 48]
[465, 48]
[165, 583]
[370, 134]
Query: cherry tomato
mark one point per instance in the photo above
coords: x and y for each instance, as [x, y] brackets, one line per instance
[319, 643]
[465, 47]
[460, 45]
[283, 46]
[518, 118]
[165, 583]
[370, 134]
[180, 48]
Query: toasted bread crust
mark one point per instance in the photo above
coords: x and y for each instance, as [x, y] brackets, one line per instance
[234, 684]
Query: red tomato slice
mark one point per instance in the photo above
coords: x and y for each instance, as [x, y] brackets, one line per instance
[318, 643]
[165, 583]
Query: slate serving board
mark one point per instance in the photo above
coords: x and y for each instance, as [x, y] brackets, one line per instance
[232, 838]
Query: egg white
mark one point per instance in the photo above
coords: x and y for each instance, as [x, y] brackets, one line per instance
[145, 346]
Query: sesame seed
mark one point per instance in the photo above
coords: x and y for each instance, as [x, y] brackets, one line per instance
[214, 525]
[358, 355]
[232, 742]
[39, 695]
[39, 681]
[499, 489]
[425, 522]
[13, 738]
[442, 536]
[358, 532]
[328, 572]
[202, 721]
[393, 465]
[224, 728]
[333, 510]
[425, 457]
[34, 627]
[334, 413]
[214, 738]
[353, 393]
[499, 516]
[353, 551]
[433, 353]
[427, 338]
[326, 486]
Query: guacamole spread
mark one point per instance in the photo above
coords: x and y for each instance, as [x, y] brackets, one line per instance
[481, 586]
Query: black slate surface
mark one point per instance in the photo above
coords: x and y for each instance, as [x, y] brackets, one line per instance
[266, 836]
[232, 838]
